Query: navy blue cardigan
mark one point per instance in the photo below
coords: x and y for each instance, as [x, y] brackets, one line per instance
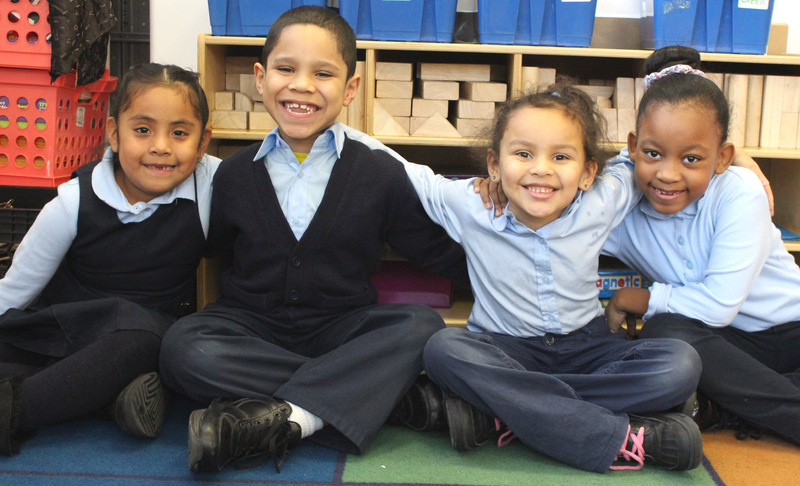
[369, 201]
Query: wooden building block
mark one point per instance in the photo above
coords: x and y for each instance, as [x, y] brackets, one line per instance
[482, 110]
[404, 122]
[385, 124]
[788, 130]
[638, 92]
[530, 78]
[259, 107]
[397, 106]
[612, 132]
[547, 76]
[438, 90]
[736, 92]
[356, 110]
[604, 103]
[223, 100]
[436, 126]
[472, 127]
[797, 137]
[778, 38]
[242, 102]
[394, 71]
[454, 72]
[416, 122]
[394, 89]
[771, 111]
[240, 64]
[791, 94]
[752, 126]
[247, 85]
[490, 91]
[229, 120]
[423, 108]
[626, 123]
[624, 96]
[718, 78]
[260, 121]
[232, 82]
[596, 91]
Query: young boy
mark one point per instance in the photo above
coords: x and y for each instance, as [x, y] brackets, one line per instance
[296, 344]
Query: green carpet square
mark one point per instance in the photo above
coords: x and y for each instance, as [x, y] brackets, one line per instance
[401, 455]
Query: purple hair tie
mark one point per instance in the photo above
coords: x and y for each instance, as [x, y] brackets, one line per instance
[677, 69]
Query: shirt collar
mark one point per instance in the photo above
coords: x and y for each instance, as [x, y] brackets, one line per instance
[332, 138]
[106, 188]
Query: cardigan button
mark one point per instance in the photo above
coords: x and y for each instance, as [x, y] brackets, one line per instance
[294, 295]
[296, 261]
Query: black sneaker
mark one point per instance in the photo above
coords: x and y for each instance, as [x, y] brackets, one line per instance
[421, 408]
[711, 416]
[245, 431]
[469, 427]
[667, 440]
[141, 407]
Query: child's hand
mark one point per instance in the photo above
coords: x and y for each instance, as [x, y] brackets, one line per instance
[492, 194]
[615, 316]
[624, 307]
[743, 159]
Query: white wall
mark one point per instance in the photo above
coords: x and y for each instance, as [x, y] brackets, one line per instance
[173, 30]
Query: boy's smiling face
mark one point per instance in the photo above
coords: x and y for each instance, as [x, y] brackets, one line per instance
[304, 84]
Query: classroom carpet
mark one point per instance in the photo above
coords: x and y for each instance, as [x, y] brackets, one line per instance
[96, 452]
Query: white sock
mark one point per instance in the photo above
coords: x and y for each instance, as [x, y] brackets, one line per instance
[308, 422]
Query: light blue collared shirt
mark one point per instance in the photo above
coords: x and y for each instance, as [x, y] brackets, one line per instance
[51, 235]
[719, 260]
[528, 283]
[300, 187]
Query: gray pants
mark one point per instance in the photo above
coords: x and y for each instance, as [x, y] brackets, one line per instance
[349, 369]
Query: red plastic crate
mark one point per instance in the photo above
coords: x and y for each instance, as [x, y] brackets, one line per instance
[49, 130]
[25, 34]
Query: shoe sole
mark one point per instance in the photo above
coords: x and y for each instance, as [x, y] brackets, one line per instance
[692, 445]
[462, 433]
[195, 442]
[141, 408]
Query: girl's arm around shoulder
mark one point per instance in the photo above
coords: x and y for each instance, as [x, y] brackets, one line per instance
[42, 249]
[446, 201]
[616, 186]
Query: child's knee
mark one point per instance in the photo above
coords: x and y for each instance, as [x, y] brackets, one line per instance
[685, 368]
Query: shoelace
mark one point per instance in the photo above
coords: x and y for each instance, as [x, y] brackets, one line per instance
[506, 437]
[274, 445]
[636, 453]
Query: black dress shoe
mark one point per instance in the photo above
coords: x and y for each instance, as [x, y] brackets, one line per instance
[469, 427]
[422, 407]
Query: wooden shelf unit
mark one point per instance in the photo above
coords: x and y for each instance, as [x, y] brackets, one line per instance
[782, 166]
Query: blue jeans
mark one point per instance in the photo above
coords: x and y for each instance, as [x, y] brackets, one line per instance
[566, 396]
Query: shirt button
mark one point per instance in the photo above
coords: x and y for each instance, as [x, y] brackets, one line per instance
[294, 295]
[299, 175]
[689, 265]
[680, 240]
[296, 261]
[549, 339]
